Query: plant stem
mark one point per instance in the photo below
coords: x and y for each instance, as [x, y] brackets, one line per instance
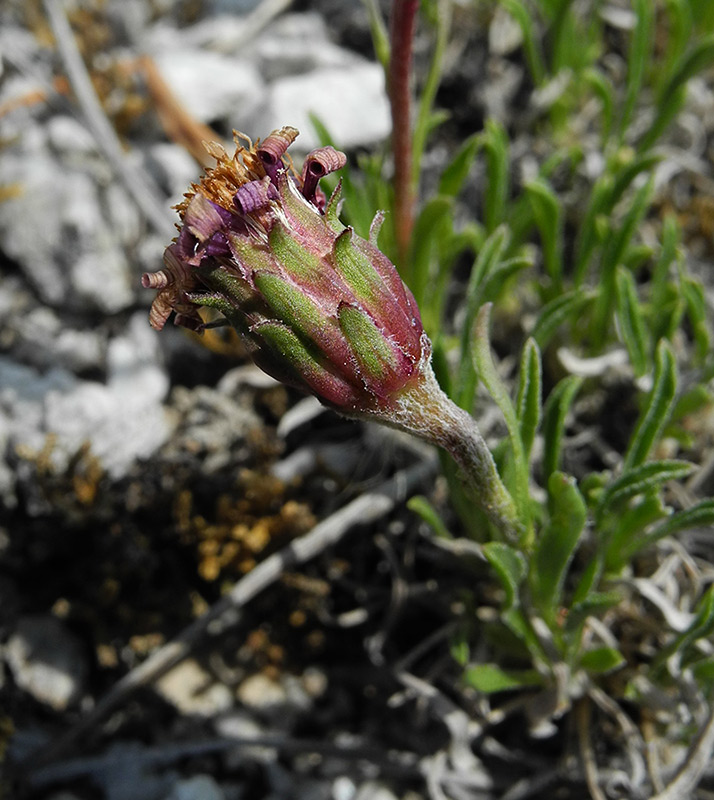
[425, 411]
[401, 35]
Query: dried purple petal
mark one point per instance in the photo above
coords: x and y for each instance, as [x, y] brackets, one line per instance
[317, 164]
[271, 150]
[254, 195]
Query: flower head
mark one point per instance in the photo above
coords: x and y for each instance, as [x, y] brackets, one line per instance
[318, 307]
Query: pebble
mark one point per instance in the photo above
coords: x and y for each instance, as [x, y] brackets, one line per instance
[193, 690]
[351, 102]
[197, 787]
[46, 661]
[260, 693]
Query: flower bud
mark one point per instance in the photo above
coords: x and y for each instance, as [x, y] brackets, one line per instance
[318, 307]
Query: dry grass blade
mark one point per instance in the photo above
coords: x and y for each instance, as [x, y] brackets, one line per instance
[698, 760]
[180, 126]
[139, 186]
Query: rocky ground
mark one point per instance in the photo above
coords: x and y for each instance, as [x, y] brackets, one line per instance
[142, 475]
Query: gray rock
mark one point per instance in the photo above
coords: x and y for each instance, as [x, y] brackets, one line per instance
[350, 101]
[123, 419]
[70, 225]
[43, 340]
[198, 787]
[173, 169]
[211, 86]
[296, 44]
[46, 661]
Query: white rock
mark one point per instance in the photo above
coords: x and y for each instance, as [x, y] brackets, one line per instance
[44, 341]
[198, 787]
[298, 43]
[351, 102]
[260, 693]
[343, 788]
[46, 661]
[504, 33]
[123, 420]
[55, 229]
[193, 690]
[68, 135]
[372, 790]
[175, 169]
[209, 85]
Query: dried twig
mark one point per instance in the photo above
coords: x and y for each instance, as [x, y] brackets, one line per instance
[402, 764]
[634, 743]
[699, 758]
[365, 509]
[583, 715]
[180, 126]
[139, 186]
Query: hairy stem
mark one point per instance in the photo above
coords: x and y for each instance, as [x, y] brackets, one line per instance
[425, 411]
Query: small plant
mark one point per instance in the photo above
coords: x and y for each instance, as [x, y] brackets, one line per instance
[569, 539]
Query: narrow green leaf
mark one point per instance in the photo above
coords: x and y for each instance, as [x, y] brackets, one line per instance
[557, 543]
[430, 223]
[628, 528]
[529, 404]
[491, 380]
[558, 311]
[601, 660]
[696, 304]
[424, 509]
[548, 215]
[699, 58]
[701, 626]
[631, 322]
[699, 515]
[640, 480]
[510, 566]
[486, 262]
[427, 95]
[626, 173]
[497, 279]
[490, 678]
[659, 405]
[456, 172]
[496, 145]
[587, 238]
[603, 88]
[674, 93]
[594, 603]
[661, 270]
[556, 409]
[613, 255]
[380, 35]
[638, 58]
[531, 45]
